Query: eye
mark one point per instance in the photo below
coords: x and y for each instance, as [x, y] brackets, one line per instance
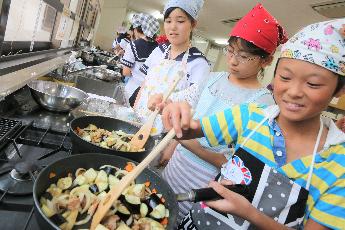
[313, 85]
[284, 78]
[244, 56]
[180, 21]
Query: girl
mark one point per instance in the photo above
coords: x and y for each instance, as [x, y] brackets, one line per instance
[145, 28]
[290, 158]
[169, 59]
[193, 164]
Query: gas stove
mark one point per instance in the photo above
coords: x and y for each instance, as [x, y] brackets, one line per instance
[30, 139]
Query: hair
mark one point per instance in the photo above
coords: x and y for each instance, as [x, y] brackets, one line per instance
[122, 36]
[190, 18]
[340, 79]
[249, 47]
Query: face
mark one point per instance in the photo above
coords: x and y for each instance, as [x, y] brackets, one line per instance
[242, 64]
[302, 90]
[178, 27]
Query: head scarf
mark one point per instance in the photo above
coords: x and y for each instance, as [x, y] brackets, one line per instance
[192, 7]
[259, 27]
[321, 43]
[148, 24]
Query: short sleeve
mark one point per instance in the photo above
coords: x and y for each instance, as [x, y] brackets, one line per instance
[225, 127]
[128, 58]
[150, 61]
[199, 71]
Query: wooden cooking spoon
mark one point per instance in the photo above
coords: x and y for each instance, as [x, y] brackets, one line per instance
[139, 139]
[116, 191]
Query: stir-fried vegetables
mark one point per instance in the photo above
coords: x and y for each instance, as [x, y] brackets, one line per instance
[117, 140]
[73, 200]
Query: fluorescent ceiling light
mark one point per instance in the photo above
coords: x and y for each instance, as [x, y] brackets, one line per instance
[221, 41]
[157, 14]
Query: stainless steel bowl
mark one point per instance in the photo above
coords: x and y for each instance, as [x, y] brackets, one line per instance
[56, 97]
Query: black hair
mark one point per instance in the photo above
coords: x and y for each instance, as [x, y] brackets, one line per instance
[171, 9]
[140, 30]
[122, 36]
[131, 28]
[340, 79]
[248, 47]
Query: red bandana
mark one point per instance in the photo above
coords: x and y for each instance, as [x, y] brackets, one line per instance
[260, 28]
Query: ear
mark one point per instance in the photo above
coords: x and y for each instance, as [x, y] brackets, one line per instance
[194, 24]
[267, 61]
[340, 92]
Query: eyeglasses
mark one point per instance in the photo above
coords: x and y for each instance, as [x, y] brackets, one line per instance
[240, 57]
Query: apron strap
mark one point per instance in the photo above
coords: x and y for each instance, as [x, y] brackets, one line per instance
[311, 169]
[314, 154]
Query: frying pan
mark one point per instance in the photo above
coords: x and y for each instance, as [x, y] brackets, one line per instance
[93, 160]
[80, 145]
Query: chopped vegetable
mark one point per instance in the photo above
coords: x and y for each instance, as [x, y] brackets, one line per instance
[52, 175]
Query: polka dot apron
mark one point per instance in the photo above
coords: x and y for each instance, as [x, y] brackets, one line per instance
[269, 191]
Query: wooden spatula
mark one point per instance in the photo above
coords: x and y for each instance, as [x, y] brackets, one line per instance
[139, 139]
[116, 191]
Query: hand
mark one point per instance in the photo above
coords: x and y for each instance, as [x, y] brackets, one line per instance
[342, 31]
[341, 124]
[232, 203]
[167, 153]
[178, 116]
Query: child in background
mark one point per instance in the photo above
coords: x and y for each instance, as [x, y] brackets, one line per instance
[290, 157]
[194, 163]
[168, 59]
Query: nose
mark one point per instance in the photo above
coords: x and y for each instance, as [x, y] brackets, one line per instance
[295, 90]
[233, 60]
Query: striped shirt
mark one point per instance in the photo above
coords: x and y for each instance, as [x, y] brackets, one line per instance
[326, 201]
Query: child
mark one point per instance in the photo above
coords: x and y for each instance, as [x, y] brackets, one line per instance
[145, 29]
[194, 163]
[167, 60]
[291, 158]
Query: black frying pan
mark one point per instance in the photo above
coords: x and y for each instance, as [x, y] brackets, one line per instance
[82, 146]
[93, 160]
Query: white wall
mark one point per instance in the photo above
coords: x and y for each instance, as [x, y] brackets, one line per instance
[21, 21]
[111, 18]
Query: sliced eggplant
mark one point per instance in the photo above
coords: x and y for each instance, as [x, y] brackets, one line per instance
[153, 201]
[131, 202]
[110, 170]
[143, 209]
[58, 219]
[90, 175]
[123, 212]
[93, 188]
[158, 212]
[47, 196]
[102, 186]
[80, 180]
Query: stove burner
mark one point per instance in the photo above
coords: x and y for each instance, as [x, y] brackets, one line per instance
[24, 167]
[19, 176]
[15, 187]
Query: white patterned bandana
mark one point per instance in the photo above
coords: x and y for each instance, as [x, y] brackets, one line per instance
[321, 43]
[192, 7]
[148, 24]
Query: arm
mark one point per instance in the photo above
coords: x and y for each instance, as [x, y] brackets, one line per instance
[211, 157]
[126, 71]
[127, 61]
[232, 201]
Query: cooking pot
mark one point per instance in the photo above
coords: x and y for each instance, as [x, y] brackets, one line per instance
[62, 167]
[80, 145]
[56, 97]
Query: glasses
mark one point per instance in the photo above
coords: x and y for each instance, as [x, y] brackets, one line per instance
[240, 57]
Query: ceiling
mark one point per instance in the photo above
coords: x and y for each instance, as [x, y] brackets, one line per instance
[292, 14]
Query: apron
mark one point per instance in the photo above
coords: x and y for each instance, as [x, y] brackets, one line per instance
[212, 101]
[162, 77]
[270, 192]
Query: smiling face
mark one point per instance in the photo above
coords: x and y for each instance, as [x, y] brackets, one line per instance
[302, 90]
[178, 27]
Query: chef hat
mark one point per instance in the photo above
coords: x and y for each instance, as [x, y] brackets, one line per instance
[192, 7]
[148, 24]
[321, 43]
[260, 28]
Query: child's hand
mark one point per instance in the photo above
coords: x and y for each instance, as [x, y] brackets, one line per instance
[232, 203]
[179, 116]
[155, 102]
[342, 31]
[341, 124]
